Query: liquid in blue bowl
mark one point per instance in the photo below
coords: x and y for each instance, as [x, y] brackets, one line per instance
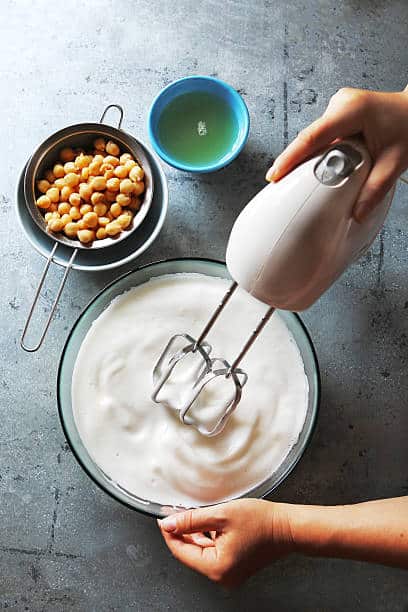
[198, 124]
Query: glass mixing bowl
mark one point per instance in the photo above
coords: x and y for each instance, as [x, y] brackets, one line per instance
[78, 333]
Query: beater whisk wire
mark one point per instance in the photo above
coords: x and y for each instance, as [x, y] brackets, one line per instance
[216, 314]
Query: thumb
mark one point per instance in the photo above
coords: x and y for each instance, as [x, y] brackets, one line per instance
[382, 177]
[191, 521]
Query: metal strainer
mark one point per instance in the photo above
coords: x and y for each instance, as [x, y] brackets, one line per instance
[79, 135]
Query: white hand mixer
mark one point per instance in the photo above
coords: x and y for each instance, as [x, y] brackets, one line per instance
[287, 246]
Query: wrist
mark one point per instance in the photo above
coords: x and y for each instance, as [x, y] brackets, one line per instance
[279, 519]
[316, 530]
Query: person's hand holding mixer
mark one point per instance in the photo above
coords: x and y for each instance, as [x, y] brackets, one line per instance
[382, 119]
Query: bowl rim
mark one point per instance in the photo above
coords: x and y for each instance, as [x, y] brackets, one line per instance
[228, 158]
[146, 512]
[133, 254]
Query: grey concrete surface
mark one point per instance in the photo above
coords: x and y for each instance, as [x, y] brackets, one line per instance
[64, 545]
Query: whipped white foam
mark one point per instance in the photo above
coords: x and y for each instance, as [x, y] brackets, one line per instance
[142, 445]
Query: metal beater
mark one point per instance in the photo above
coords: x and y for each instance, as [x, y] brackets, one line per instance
[288, 245]
[210, 368]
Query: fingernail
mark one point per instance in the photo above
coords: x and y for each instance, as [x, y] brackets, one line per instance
[169, 523]
[271, 172]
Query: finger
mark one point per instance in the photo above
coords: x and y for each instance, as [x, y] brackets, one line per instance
[339, 121]
[382, 177]
[195, 557]
[190, 521]
[200, 539]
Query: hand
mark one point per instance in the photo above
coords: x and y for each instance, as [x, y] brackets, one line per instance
[243, 536]
[382, 119]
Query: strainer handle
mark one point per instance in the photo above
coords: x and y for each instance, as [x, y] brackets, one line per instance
[32, 349]
[119, 108]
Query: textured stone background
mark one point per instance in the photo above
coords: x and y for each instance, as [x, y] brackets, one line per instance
[63, 544]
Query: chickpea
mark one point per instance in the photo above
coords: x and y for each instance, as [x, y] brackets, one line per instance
[124, 158]
[98, 159]
[100, 209]
[113, 228]
[94, 168]
[109, 174]
[49, 175]
[71, 230]
[85, 208]
[82, 161]
[65, 193]
[134, 204]
[70, 167]
[116, 209]
[85, 191]
[66, 219]
[55, 225]
[130, 163]
[58, 170]
[80, 224]
[121, 172]
[99, 144]
[67, 154]
[53, 208]
[105, 167]
[111, 159]
[75, 199]
[71, 179]
[103, 221]
[90, 220]
[124, 221]
[86, 235]
[138, 188]
[43, 186]
[53, 194]
[75, 213]
[64, 208]
[84, 174]
[101, 233]
[98, 183]
[110, 216]
[112, 148]
[97, 198]
[48, 216]
[123, 199]
[59, 182]
[136, 174]
[110, 196]
[126, 186]
[55, 213]
[113, 184]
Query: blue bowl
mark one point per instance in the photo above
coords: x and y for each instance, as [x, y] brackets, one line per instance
[208, 85]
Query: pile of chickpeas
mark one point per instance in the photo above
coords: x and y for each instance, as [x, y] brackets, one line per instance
[90, 196]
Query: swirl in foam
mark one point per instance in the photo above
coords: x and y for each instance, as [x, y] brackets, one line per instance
[142, 445]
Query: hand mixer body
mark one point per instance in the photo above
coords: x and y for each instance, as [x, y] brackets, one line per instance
[296, 236]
